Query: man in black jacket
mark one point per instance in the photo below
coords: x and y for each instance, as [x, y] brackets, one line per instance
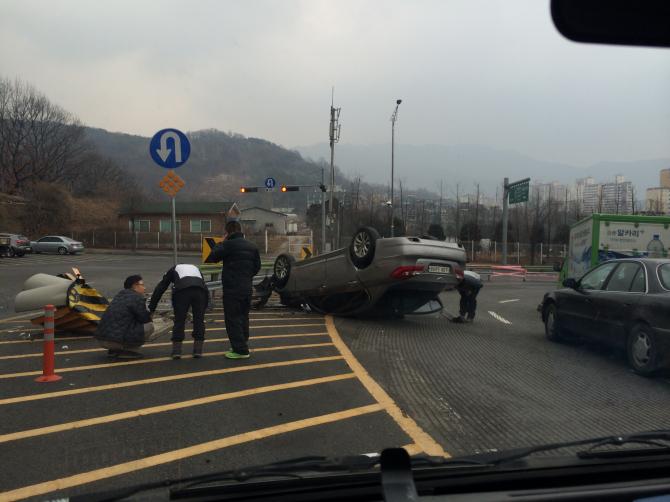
[126, 323]
[241, 262]
[188, 291]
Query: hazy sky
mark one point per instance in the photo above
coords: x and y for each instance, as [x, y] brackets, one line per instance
[474, 72]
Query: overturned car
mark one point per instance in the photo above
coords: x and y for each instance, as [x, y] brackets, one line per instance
[380, 276]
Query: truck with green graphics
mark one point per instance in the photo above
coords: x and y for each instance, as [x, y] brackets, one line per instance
[602, 237]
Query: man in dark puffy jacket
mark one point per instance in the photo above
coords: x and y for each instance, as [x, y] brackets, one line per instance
[126, 324]
[241, 262]
[188, 291]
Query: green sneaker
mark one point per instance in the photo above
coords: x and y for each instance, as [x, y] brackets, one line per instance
[234, 355]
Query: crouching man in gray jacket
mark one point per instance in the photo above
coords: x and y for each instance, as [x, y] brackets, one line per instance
[126, 324]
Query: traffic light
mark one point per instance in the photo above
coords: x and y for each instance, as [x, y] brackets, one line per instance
[285, 188]
[248, 189]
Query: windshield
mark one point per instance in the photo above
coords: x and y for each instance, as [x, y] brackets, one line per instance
[321, 229]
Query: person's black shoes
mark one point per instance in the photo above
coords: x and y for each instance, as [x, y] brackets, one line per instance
[197, 348]
[128, 354]
[112, 353]
[176, 350]
[458, 320]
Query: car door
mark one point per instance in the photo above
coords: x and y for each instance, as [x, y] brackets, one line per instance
[53, 244]
[617, 301]
[576, 307]
[43, 244]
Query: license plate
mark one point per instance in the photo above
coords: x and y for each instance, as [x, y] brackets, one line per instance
[439, 269]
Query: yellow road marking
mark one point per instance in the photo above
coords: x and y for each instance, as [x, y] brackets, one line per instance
[169, 378]
[254, 319]
[22, 316]
[154, 360]
[418, 435]
[162, 344]
[183, 453]
[412, 449]
[39, 340]
[41, 431]
[207, 329]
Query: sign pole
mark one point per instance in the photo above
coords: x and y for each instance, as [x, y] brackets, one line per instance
[174, 230]
[504, 220]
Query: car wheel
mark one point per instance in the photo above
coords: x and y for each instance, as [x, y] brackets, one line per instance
[282, 269]
[552, 329]
[62, 250]
[11, 253]
[362, 247]
[642, 350]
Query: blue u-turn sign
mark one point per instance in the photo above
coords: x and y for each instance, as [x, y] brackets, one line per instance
[170, 148]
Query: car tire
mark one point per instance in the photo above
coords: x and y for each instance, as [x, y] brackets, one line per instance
[11, 253]
[362, 247]
[642, 350]
[552, 329]
[62, 251]
[282, 269]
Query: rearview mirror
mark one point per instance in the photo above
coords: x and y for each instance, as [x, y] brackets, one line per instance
[619, 22]
[570, 283]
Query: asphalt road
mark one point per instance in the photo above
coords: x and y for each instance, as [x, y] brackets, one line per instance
[314, 386]
[498, 383]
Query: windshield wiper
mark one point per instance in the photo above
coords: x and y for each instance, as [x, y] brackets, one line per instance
[652, 439]
[297, 468]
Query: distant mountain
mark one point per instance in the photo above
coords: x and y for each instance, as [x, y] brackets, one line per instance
[426, 165]
[219, 164]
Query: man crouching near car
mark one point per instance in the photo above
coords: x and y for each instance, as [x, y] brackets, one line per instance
[468, 288]
[126, 324]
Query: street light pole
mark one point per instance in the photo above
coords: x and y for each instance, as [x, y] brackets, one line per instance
[394, 117]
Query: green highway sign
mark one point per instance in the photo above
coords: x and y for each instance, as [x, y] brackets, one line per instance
[518, 192]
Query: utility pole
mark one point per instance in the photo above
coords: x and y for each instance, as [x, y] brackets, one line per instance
[394, 117]
[323, 210]
[334, 136]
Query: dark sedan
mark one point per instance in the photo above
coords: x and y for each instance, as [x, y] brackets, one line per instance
[624, 303]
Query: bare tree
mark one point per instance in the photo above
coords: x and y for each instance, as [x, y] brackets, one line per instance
[39, 141]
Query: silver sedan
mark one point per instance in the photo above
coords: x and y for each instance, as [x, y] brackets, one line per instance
[57, 244]
[390, 276]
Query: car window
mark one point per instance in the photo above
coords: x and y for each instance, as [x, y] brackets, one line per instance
[664, 275]
[596, 278]
[45, 239]
[639, 284]
[622, 278]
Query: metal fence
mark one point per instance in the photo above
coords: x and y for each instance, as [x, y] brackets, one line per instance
[267, 243]
[517, 253]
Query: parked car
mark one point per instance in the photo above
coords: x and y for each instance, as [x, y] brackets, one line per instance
[5, 243]
[18, 245]
[624, 303]
[391, 276]
[57, 244]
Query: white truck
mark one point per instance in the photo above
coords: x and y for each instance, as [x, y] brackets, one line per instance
[602, 237]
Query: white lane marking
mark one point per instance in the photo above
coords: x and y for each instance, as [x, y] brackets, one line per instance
[499, 317]
[509, 301]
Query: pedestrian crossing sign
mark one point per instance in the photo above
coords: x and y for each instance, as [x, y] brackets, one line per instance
[208, 245]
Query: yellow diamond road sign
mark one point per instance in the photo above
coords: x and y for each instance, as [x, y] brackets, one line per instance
[305, 252]
[171, 183]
